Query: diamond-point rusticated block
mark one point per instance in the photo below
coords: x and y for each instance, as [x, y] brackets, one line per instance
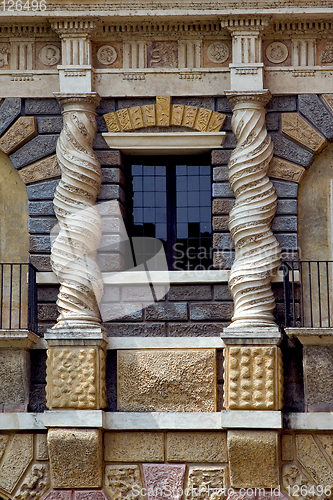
[76, 457]
[123, 481]
[297, 128]
[253, 378]
[19, 134]
[84, 367]
[163, 478]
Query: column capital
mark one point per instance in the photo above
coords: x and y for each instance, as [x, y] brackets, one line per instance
[78, 102]
[258, 98]
[69, 28]
[250, 24]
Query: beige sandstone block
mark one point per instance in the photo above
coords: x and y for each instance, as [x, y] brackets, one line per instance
[292, 481]
[15, 460]
[177, 111]
[202, 119]
[21, 132]
[253, 459]
[76, 457]
[253, 378]
[3, 443]
[35, 483]
[196, 447]
[112, 122]
[75, 377]
[312, 459]
[216, 122]
[149, 115]
[136, 117]
[123, 481]
[47, 168]
[298, 129]
[124, 120]
[134, 446]
[14, 370]
[206, 483]
[326, 441]
[283, 169]
[161, 380]
[328, 98]
[42, 452]
[163, 111]
[190, 113]
[287, 448]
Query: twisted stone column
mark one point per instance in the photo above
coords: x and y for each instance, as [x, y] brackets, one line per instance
[73, 254]
[257, 250]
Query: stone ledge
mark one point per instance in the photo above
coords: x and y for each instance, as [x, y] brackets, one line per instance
[322, 421]
[312, 336]
[74, 418]
[233, 335]
[18, 339]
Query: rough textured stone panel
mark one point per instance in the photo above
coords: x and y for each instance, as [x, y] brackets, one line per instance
[21, 132]
[220, 223]
[283, 169]
[222, 190]
[76, 378]
[135, 329]
[89, 495]
[221, 156]
[318, 374]
[286, 207]
[282, 103]
[161, 479]
[35, 483]
[221, 206]
[37, 148]
[166, 312]
[220, 174]
[42, 452]
[123, 481]
[14, 365]
[9, 111]
[253, 378]
[200, 312]
[206, 483]
[75, 458]
[292, 476]
[181, 380]
[196, 329]
[58, 495]
[299, 130]
[3, 443]
[316, 112]
[15, 461]
[289, 150]
[109, 158]
[47, 168]
[287, 448]
[253, 459]
[42, 190]
[190, 292]
[196, 447]
[311, 458]
[42, 107]
[134, 446]
[49, 124]
[284, 223]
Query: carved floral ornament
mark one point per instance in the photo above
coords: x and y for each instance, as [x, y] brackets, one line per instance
[163, 114]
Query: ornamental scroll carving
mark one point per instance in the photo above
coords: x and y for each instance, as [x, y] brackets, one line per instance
[257, 250]
[73, 254]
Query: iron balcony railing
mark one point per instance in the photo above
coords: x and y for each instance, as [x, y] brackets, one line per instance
[308, 293]
[18, 297]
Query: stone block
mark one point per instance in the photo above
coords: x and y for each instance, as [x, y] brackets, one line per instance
[222, 190]
[224, 105]
[106, 106]
[159, 380]
[142, 293]
[195, 329]
[101, 125]
[49, 124]
[41, 262]
[14, 371]
[110, 262]
[311, 458]
[286, 207]
[41, 224]
[222, 292]
[111, 192]
[42, 107]
[15, 460]
[76, 457]
[287, 448]
[123, 482]
[301, 131]
[285, 170]
[222, 206]
[318, 376]
[37, 401]
[206, 483]
[273, 122]
[134, 446]
[110, 158]
[253, 378]
[223, 259]
[89, 495]
[136, 330]
[200, 102]
[221, 156]
[220, 223]
[220, 174]
[287, 241]
[120, 311]
[39, 244]
[42, 190]
[35, 483]
[99, 142]
[162, 479]
[285, 189]
[166, 312]
[293, 479]
[58, 495]
[230, 141]
[196, 447]
[253, 459]
[190, 292]
[282, 103]
[37, 148]
[42, 452]
[223, 241]
[113, 175]
[47, 168]
[206, 312]
[40, 208]
[47, 312]
[316, 112]
[284, 223]
[19, 134]
[9, 111]
[291, 151]
[75, 378]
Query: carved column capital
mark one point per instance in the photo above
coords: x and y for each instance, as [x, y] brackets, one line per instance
[73, 28]
[78, 102]
[248, 23]
[245, 99]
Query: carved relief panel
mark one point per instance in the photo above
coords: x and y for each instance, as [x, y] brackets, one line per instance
[107, 55]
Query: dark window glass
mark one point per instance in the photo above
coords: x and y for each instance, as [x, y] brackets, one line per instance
[171, 201]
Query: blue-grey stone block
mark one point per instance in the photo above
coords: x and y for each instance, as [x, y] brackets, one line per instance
[40, 208]
[166, 312]
[42, 107]
[273, 121]
[111, 192]
[316, 112]
[42, 190]
[39, 244]
[227, 124]
[221, 156]
[222, 190]
[201, 102]
[41, 224]
[220, 174]
[290, 150]
[285, 189]
[99, 142]
[223, 241]
[222, 292]
[49, 124]
[282, 103]
[223, 105]
[287, 241]
[202, 312]
[286, 207]
[285, 223]
[34, 150]
[106, 106]
[9, 111]
[136, 101]
[101, 125]
[230, 141]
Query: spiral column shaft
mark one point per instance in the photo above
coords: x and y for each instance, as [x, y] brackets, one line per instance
[73, 254]
[257, 255]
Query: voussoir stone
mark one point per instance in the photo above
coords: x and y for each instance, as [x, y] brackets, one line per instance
[21, 132]
[159, 380]
[316, 112]
[47, 168]
[37, 148]
[196, 447]
[9, 111]
[135, 446]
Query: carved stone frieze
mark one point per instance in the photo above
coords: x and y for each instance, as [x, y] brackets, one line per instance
[283, 169]
[257, 250]
[35, 483]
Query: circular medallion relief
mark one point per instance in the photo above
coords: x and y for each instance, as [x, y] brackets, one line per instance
[277, 52]
[218, 52]
[106, 54]
[49, 55]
